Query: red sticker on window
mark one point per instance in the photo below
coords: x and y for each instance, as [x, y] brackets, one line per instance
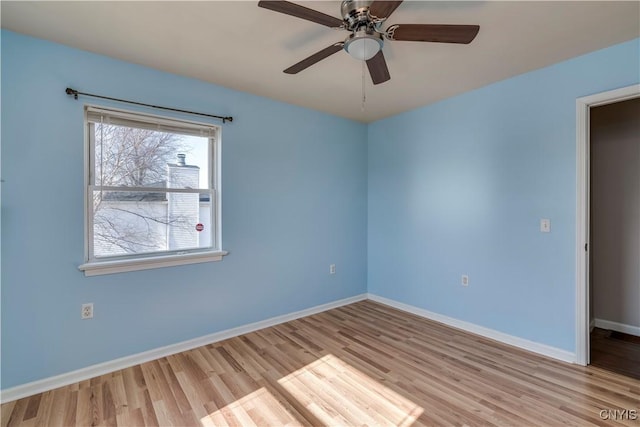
[199, 227]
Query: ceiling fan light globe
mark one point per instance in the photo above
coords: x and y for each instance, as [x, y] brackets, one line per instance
[363, 48]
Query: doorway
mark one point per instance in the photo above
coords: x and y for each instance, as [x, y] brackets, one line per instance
[614, 237]
[583, 131]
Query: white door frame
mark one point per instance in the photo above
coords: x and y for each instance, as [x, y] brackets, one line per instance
[583, 106]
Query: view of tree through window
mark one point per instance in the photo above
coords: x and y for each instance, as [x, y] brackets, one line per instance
[127, 156]
[150, 189]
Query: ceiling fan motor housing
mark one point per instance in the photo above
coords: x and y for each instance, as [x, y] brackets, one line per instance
[355, 13]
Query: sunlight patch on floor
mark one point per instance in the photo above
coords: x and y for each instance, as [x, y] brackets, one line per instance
[327, 391]
[338, 394]
[258, 408]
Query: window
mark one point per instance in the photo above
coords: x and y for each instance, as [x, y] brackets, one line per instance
[152, 194]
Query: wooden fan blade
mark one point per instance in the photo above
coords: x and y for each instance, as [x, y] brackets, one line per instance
[378, 69]
[316, 57]
[302, 12]
[433, 33]
[383, 9]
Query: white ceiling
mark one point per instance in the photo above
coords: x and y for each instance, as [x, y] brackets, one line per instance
[241, 46]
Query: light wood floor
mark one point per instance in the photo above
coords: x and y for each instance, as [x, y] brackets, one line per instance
[363, 364]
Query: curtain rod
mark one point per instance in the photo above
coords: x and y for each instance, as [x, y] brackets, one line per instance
[75, 94]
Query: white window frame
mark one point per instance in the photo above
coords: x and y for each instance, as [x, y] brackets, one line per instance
[124, 263]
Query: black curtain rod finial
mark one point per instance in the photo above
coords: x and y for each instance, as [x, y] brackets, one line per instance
[75, 94]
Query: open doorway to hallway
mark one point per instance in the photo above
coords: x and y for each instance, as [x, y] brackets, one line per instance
[614, 236]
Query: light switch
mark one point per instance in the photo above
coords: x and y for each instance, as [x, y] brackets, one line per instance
[545, 225]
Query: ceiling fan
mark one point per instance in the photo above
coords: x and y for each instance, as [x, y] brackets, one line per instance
[364, 20]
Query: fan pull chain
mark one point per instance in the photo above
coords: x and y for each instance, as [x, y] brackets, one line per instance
[364, 96]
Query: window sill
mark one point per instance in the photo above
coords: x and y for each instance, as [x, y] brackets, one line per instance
[98, 268]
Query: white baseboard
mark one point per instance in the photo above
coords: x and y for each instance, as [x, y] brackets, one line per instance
[67, 378]
[543, 349]
[619, 327]
[592, 325]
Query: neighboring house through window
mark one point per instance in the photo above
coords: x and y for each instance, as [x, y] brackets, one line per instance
[153, 196]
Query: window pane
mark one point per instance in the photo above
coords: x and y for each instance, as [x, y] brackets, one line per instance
[139, 222]
[127, 156]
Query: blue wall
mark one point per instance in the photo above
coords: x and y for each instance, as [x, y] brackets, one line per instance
[294, 201]
[454, 188]
[459, 187]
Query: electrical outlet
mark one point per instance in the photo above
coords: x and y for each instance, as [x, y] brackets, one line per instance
[332, 269]
[465, 280]
[87, 311]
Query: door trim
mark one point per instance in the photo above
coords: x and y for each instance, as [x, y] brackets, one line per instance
[583, 106]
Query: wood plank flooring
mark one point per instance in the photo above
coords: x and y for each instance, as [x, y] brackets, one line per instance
[362, 364]
[616, 352]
